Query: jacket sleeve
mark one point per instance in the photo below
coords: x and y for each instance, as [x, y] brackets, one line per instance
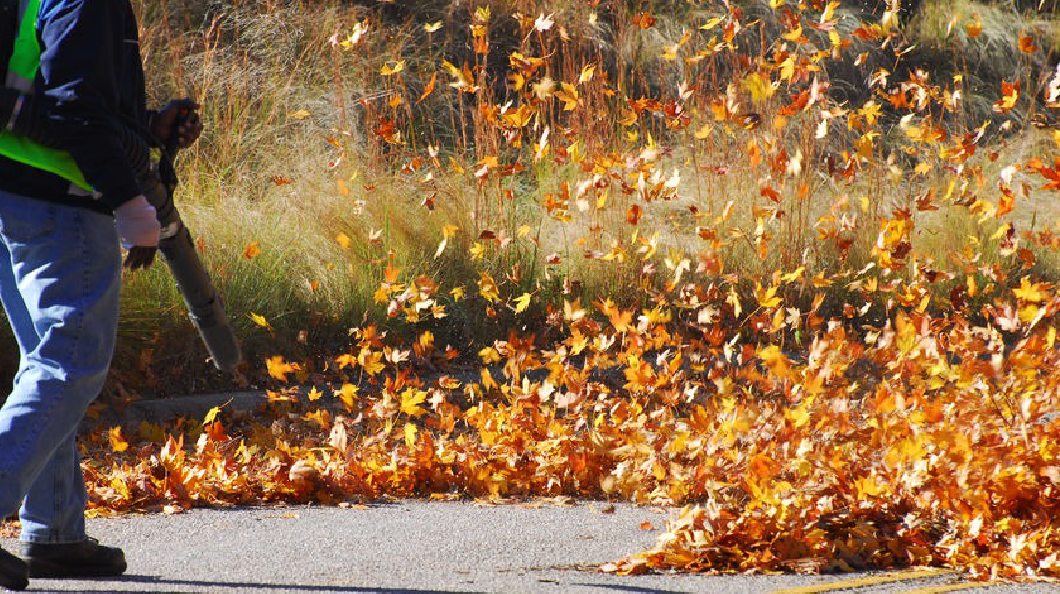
[80, 62]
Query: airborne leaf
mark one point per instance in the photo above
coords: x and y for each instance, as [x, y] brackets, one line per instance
[522, 302]
[117, 441]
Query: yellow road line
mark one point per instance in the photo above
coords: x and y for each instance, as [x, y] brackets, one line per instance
[949, 588]
[894, 576]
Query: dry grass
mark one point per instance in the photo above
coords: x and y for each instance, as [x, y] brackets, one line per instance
[307, 144]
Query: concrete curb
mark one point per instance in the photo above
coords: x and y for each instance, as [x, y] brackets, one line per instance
[195, 407]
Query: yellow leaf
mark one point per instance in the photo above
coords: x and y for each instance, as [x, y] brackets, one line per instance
[568, 95]
[382, 294]
[1028, 291]
[775, 359]
[356, 37]
[487, 288]
[1001, 232]
[117, 442]
[794, 35]
[489, 355]
[768, 298]
[410, 434]
[734, 300]
[794, 275]
[868, 487]
[707, 26]
[924, 303]
[487, 379]
[587, 73]
[321, 417]
[391, 68]
[347, 394]
[426, 339]
[410, 401]
[260, 321]
[370, 362]
[343, 241]
[864, 145]
[829, 11]
[301, 114]
[759, 88]
[314, 394]
[522, 302]
[211, 415]
[516, 81]
[278, 368]
[799, 416]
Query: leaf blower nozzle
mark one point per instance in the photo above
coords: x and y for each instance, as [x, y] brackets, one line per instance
[204, 303]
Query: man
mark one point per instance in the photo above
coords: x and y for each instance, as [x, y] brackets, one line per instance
[64, 215]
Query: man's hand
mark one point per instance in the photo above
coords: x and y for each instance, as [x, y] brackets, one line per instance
[178, 117]
[140, 257]
[139, 230]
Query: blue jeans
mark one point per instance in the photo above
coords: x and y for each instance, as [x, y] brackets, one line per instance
[60, 278]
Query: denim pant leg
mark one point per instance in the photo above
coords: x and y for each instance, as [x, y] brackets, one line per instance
[54, 508]
[60, 271]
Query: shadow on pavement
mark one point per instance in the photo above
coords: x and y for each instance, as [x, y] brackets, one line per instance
[620, 588]
[147, 579]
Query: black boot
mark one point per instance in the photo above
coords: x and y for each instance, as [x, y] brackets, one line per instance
[13, 572]
[79, 559]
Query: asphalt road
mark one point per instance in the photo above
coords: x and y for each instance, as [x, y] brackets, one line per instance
[419, 546]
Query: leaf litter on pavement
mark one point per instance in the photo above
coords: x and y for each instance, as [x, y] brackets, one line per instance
[929, 442]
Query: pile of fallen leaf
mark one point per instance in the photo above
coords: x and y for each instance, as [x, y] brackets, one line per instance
[930, 441]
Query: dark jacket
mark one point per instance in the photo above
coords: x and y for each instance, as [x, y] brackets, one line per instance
[92, 83]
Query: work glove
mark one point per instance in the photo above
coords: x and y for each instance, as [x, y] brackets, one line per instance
[139, 230]
[155, 192]
[178, 117]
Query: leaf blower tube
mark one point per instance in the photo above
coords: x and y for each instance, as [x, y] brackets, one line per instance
[204, 303]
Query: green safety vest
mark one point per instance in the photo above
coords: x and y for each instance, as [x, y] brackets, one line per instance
[21, 72]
